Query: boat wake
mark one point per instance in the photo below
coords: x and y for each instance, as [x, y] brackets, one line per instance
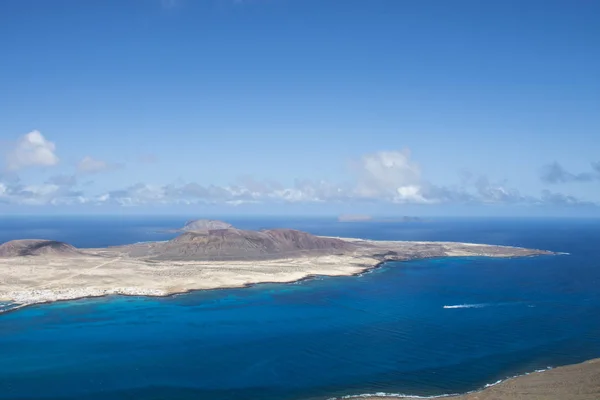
[479, 305]
[482, 305]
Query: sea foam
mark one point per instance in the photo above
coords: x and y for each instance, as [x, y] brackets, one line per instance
[439, 396]
[396, 395]
[6, 307]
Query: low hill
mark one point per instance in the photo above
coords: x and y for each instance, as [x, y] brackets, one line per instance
[201, 225]
[227, 244]
[36, 247]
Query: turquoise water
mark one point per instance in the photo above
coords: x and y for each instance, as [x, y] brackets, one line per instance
[424, 327]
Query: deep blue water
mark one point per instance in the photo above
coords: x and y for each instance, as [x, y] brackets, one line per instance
[385, 331]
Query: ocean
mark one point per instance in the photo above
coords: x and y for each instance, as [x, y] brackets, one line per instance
[423, 327]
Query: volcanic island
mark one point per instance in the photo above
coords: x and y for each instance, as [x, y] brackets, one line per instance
[207, 254]
[210, 254]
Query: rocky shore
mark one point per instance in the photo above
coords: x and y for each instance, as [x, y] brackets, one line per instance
[571, 382]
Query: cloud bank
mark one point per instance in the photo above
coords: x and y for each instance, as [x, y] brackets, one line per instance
[391, 177]
[58, 190]
[555, 173]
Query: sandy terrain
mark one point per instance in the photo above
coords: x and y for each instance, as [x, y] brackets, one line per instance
[573, 382]
[98, 272]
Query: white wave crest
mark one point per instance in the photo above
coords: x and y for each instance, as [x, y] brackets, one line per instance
[10, 307]
[396, 395]
[492, 384]
[441, 396]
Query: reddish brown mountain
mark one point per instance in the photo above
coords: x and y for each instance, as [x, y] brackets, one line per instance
[227, 244]
[36, 247]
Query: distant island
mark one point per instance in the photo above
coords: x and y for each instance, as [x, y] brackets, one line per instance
[354, 218]
[202, 225]
[208, 254]
[369, 218]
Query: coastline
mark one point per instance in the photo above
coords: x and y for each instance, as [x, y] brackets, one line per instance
[138, 292]
[366, 270]
[82, 282]
[569, 382]
[173, 294]
[513, 388]
[64, 279]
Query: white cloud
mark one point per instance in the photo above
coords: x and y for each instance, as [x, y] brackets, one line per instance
[392, 176]
[549, 197]
[389, 174]
[138, 194]
[383, 177]
[32, 149]
[497, 192]
[411, 194]
[555, 173]
[43, 194]
[90, 165]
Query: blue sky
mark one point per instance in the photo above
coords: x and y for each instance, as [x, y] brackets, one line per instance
[300, 106]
